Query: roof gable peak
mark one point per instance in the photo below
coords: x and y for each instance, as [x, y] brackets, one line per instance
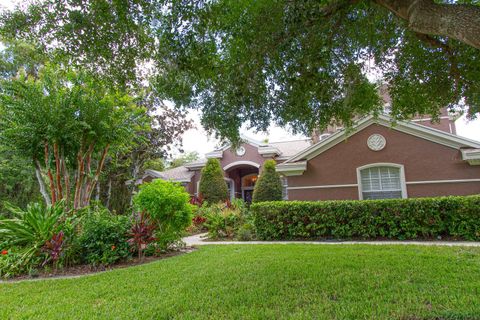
[412, 128]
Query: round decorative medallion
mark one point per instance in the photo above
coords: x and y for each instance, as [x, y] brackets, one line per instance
[376, 142]
[240, 151]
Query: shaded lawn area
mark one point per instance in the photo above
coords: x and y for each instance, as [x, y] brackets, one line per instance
[266, 282]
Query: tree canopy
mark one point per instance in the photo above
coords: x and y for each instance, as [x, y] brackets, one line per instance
[301, 64]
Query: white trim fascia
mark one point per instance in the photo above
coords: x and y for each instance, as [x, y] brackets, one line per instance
[411, 128]
[232, 189]
[181, 180]
[472, 156]
[435, 135]
[325, 186]
[243, 139]
[351, 185]
[214, 154]
[292, 168]
[195, 165]
[403, 184]
[443, 181]
[268, 151]
[429, 119]
[152, 173]
[238, 163]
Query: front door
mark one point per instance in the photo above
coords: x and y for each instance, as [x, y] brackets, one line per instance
[247, 196]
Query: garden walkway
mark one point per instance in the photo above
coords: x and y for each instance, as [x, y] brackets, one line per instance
[200, 240]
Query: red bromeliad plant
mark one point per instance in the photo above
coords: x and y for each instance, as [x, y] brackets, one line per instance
[197, 201]
[141, 233]
[54, 247]
[199, 220]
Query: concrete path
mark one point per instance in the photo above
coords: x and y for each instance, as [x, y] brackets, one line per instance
[199, 240]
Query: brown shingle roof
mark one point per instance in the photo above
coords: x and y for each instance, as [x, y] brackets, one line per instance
[180, 174]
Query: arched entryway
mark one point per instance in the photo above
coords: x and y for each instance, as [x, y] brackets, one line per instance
[243, 175]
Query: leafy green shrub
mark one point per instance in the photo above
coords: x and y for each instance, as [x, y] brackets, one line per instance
[269, 185]
[213, 187]
[16, 261]
[167, 204]
[30, 229]
[457, 217]
[103, 238]
[221, 221]
[245, 232]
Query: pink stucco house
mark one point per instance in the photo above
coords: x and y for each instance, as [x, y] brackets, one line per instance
[373, 161]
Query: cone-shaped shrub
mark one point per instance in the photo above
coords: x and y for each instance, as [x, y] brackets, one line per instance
[269, 185]
[213, 187]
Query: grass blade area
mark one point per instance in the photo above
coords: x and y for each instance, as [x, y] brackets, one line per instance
[266, 282]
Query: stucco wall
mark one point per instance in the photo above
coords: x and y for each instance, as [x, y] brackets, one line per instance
[230, 156]
[251, 154]
[423, 161]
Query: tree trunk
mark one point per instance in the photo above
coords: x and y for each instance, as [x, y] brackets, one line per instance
[456, 21]
[50, 176]
[97, 196]
[109, 193]
[66, 178]
[57, 173]
[86, 191]
[41, 183]
[135, 172]
[78, 182]
[97, 175]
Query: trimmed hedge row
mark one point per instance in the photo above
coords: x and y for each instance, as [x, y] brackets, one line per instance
[416, 218]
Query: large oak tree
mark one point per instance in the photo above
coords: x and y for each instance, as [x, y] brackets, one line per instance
[297, 63]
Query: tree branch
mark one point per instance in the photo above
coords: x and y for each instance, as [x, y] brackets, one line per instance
[456, 21]
[454, 71]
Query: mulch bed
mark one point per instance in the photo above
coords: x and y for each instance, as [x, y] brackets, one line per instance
[80, 270]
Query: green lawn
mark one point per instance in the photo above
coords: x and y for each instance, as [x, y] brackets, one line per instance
[267, 282]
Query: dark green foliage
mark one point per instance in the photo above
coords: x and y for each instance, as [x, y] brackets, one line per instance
[18, 184]
[296, 63]
[304, 63]
[422, 218]
[213, 187]
[103, 238]
[269, 185]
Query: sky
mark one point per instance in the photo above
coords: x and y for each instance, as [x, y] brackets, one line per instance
[198, 140]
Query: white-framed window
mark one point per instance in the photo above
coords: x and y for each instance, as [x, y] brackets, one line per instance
[284, 188]
[381, 181]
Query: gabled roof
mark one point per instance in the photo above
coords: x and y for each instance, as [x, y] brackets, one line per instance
[292, 147]
[282, 149]
[179, 174]
[244, 139]
[415, 129]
